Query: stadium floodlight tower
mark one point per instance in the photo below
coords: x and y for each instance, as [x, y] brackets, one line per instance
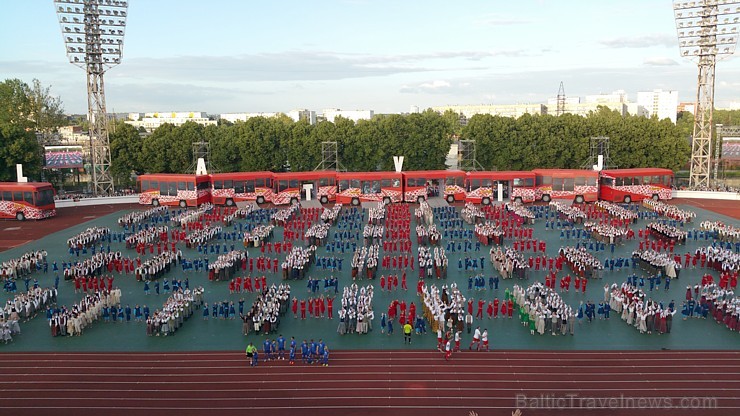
[707, 29]
[93, 33]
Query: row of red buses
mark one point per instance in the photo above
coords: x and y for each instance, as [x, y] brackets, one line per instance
[577, 185]
[27, 200]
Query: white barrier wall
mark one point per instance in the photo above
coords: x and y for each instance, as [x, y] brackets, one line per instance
[728, 196]
[111, 200]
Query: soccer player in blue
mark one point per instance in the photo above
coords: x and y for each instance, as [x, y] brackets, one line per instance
[292, 355]
[255, 358]
[305, 357]
[325, 357]
[267, 348]
[281, 347]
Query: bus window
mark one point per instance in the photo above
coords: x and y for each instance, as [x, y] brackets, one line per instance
[607, 181]
[354, 183]
[474, 184]
[323, 181]
[44, 197]
[153, 185]
[557, 184]
[18, 196]
[173, 188]
[487, 183]
[646, 180]
[668, 180]
[282, 185]
[7, 196]
[228, 184]
[239, 187]
[619, 181]
[592, 181]
[385, 183]
[637, 180]
[376, 187]
[396, 183]
[28, 197]
[544, 180]
[218, 184]
[203, 186]
[190, 186]
[144, 186]
[163, 188]
[260, 183]
[580, 181]
[331, 182]
[568, 184]
[421, 182]
[249, 186]
[656, 180]
[295, 183]
[518, 182]
[343, 184]
[529, 182]
[181, 186]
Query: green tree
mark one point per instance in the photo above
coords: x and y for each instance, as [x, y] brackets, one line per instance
[18, 142]
[126, 147]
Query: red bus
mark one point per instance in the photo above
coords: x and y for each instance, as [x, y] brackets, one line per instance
[230, 188]
[627, 185]
[419, 185]
[288, 186]
[357, 187]
[171, 189]
[577, 185]
[27, 200]
[482, 187]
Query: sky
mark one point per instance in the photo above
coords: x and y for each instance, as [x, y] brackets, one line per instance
[274, 56]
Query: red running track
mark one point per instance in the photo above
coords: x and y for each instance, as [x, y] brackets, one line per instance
[373, 383]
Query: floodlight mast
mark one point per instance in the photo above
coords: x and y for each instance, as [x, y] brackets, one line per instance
[707, 29]
[93, 32]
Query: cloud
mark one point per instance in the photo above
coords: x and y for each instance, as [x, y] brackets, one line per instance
[647, 41]
[437, 86]
[659, 61]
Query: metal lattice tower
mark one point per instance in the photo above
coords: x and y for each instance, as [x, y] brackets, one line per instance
[707, 29]
[722, 132]
[329, 157]
[202, 150]
[599, 145]
[561, 100]
[466, 156]
[93, 32]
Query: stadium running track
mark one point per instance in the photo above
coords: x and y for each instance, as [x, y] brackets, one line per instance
[369, 383]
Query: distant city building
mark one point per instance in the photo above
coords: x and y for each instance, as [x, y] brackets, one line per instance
[414, 109]
[583, 109]
[659, 103]
[553, 101]
[330, 114]
[295, 115]
[503, 110]
[151, 121]
[685, 106]
[619, 96]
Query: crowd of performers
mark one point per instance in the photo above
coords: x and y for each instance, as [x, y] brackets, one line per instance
[667, 232]
[297, 262]
[657, 262]
[311, 352]
[227, 265]
[581, 261]
[158, 266]
[137, 217]
[178, 307]
[264, 315]
[509, 262]
[542, 310]
[88, 238]
[721, 231]
[712, 300]
[356, 312]
[73, 321]
[23, 307]
[669, 211]
[24, 265]
[636, 309]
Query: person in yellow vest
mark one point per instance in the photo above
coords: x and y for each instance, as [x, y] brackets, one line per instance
[407, 328]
